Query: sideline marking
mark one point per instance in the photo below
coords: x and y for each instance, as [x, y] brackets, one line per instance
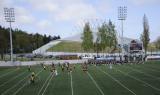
[71, 83]
[47, 84]
[25, 84]
[144, 73]
[117, 81]
[44, 84]
[8, 73]
[95, 83]
[155, 88]
[147, 68]
[12, 79]
[15, 85]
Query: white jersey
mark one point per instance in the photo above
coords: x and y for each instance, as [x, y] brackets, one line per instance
[110, 66]
[56, 73]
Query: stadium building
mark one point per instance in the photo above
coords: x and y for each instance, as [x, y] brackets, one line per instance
[132, 48]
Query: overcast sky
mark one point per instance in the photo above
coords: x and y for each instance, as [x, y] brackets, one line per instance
[66, 17]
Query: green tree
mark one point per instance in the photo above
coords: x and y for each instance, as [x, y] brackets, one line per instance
[112, 37]
[102, 36]
[145, 35]
[22, 41]
[4, 42]
[45, 40]
[87, 38]
[97, 44]
[157, 43]
[107, 36]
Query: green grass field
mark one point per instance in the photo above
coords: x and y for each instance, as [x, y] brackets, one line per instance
[135, 79]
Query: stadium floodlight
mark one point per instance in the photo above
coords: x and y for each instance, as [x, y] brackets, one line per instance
[10, 17]
[122, 15]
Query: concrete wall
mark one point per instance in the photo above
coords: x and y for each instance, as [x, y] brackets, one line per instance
[25, 63]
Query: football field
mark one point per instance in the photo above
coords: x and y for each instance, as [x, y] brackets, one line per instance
[127, 79]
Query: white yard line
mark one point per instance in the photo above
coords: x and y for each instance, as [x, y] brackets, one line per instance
[25, 84]
[95, 83]
[14, 85]
[152, 69]
[12, 79]
[117, 82]
[8, 73]
[149, 85]
[71, 83]
[47, 85]
[147, 68]
[44, 84]
[19, 88]
[144, 73]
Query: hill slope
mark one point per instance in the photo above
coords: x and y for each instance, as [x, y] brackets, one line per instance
[72, 46]
[67, 46]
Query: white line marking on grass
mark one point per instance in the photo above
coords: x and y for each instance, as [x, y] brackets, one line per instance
[155, 68]
[44, 84]
[146, 67]
[12, 79]
[71, 83]
[117, 81]
[15, 85]
[47, 85]
[95, 83]
[155, 88]
[19, 89]
[144, 73]
[8, 73]
[25, 84]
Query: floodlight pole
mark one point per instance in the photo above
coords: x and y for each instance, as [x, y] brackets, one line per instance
[122, 14]
[122, 30]
[9, 17]
[11, 42]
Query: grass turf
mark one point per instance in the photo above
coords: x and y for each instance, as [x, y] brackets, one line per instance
[74, 46]
[135, 79]
[67, 46]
